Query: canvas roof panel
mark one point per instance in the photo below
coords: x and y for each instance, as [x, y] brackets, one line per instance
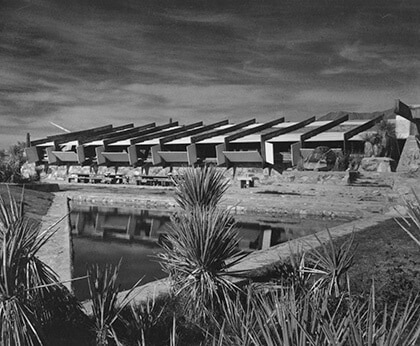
[125, 142]
[153, 141]
[249, 139]
[214, 140]
[221, 138]
[183, 140]
[98, 142]
[187, 140]
[285, 124]
[288, 137]
[327, 137]
[48, 144]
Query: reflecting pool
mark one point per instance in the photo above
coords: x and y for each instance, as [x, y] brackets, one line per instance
[108, 234]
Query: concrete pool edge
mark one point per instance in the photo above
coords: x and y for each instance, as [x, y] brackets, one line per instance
[167, 202]
[57, 252]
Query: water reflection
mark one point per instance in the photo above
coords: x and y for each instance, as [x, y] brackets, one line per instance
[149, 227]
[133, 226]
[105, 235]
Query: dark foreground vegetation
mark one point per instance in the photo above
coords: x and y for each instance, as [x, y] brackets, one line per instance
[360, 290]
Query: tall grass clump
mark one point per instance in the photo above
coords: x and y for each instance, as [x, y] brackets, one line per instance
[27, 284]
[368, 326]
[281, 317]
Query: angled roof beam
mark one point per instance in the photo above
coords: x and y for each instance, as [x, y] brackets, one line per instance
[252, 130]
[192, 132]
[220, 132]
[116, 131]
[135, 132]
[282, 131]
[62, 138]
[251, 156]
[164, 133]
[323, 128]
[360, 128]
[85, 136]
[363, 127]
[404, 110]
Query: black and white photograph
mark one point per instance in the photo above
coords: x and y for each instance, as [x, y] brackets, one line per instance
[210, 172]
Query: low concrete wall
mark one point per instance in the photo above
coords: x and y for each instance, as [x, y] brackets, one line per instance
[57, 252]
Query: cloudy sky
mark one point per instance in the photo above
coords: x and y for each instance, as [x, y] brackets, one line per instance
[86, 63]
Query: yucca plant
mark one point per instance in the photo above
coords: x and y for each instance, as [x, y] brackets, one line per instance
[106, 305]
[202, 246]
[413, 211]
[25, 281]
[330, 263]
[203, 243]
[290, 273]
[200, 187]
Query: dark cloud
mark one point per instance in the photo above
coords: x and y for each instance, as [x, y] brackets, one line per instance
[88, 62]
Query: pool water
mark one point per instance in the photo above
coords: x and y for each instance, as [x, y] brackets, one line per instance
[106, 235]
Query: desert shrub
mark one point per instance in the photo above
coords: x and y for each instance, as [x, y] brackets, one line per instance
[11, 162]
[323, 154]
[342, 161]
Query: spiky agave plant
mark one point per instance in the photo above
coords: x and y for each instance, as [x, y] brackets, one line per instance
[200, 186]
[25, 281]
[201, 247]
